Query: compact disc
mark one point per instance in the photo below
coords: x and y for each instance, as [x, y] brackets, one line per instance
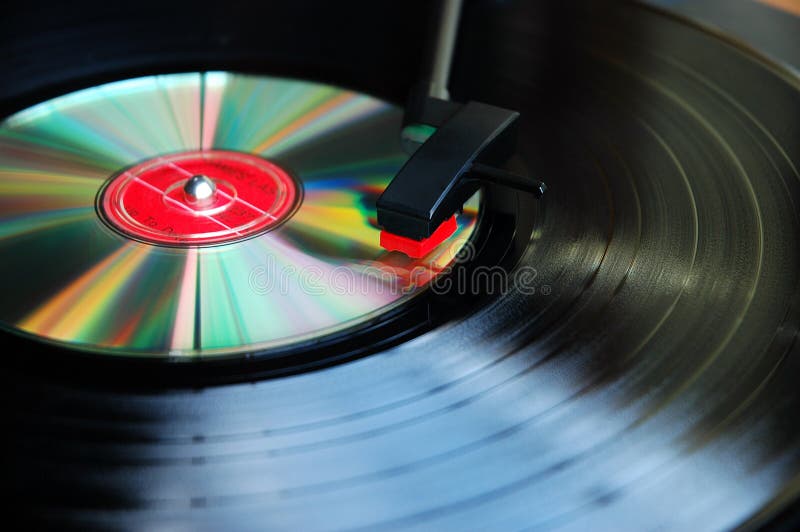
[201, 214]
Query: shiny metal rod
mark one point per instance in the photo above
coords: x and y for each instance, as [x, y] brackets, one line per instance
[444, 47]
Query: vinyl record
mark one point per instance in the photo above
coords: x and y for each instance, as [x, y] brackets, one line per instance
[645, 379]
[105, 253]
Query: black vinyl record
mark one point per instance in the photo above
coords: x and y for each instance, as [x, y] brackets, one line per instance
[634, 365]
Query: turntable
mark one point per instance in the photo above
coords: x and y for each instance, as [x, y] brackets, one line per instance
[500, 265]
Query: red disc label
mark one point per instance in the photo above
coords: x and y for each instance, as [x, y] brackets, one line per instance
[199, 198]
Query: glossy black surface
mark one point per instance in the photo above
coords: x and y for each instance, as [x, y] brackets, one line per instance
[648, 381]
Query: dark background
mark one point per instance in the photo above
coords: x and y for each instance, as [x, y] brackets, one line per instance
[50, 47]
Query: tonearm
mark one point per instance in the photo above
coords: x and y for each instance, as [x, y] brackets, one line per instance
[467, 149]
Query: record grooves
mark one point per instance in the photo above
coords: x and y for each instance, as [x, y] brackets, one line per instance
[644, 378]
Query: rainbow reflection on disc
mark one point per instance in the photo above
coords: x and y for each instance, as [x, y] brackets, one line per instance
[68, 277]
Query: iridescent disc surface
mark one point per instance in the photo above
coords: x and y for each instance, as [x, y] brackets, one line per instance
[68, 277]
